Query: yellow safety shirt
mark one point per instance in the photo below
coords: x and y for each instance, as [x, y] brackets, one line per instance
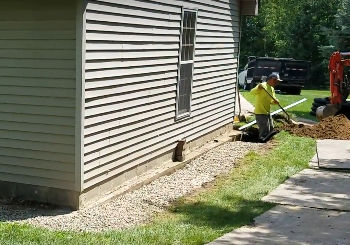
[263, 101]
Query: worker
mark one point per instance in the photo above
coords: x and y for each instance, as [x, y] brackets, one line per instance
[263, 102]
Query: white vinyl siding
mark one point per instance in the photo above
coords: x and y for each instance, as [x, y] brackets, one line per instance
[37, 92]
[132, 50]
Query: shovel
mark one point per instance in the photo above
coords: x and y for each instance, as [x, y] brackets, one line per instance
[274, 113]
[288, 117]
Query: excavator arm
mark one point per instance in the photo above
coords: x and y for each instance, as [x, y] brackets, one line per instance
[339, 85]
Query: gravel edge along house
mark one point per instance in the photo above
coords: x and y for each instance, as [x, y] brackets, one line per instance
[96, 92]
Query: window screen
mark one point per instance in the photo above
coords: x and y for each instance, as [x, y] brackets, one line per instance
[188, 37]
[185, 90]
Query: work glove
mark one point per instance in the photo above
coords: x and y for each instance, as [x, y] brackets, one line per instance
[275, 101]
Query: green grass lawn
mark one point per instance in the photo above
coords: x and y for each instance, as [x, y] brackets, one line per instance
[231, 201]
[301, 110]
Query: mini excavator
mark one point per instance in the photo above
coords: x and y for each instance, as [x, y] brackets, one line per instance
[339, 65]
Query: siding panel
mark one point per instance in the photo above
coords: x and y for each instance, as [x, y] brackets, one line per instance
[131, 78]
[37, 92]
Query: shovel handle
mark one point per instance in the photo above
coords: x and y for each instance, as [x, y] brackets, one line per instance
[288, 117]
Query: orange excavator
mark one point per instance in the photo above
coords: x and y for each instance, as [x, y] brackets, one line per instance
[339, 65]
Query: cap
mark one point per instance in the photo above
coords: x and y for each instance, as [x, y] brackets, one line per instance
[274, 75]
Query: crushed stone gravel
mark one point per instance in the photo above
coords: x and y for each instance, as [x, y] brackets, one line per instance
[139, 206]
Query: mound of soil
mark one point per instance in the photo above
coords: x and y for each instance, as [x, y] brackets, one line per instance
[337, 127]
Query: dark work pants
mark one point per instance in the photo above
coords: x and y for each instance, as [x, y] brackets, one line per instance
[265, 124]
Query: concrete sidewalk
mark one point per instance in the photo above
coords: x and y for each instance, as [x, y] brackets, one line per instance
[313, 205]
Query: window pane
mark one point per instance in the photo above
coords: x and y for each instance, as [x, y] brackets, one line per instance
[190, 52]
[184, 37]
[188, 22]
[191, 36]
[191, 20]
[188, 36]
[185, 88]
[183, 57]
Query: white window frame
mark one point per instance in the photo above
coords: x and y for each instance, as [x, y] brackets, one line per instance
[187, 114]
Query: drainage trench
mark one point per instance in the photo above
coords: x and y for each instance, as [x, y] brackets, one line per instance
[250, 135]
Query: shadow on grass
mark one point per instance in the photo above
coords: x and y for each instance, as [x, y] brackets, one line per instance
[228, 213]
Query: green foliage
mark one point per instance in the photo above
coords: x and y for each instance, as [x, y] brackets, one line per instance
[291, 28]
[339, 34]
[343, 20]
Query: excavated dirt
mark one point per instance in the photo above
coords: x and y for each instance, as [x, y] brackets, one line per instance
[337, 127]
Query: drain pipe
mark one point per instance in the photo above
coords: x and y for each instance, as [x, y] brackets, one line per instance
[274, 113]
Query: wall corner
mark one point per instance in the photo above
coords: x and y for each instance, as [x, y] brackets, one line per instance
[80, 93]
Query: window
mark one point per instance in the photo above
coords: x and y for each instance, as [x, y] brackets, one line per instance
[186, 61]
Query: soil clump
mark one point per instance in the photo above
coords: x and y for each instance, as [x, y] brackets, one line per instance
[337, 127]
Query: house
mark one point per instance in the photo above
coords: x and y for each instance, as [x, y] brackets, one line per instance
[95, 92]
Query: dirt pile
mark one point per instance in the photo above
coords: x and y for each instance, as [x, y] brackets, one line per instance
[337, 127]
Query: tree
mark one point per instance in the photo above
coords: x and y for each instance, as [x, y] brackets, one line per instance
[339, 36]
[291, 28]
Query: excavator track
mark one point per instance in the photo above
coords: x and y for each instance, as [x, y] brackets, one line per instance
[345, 110]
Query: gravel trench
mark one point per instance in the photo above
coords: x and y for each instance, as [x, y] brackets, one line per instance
[137, 207]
